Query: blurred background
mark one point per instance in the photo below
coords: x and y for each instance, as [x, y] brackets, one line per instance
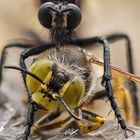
[100, 17]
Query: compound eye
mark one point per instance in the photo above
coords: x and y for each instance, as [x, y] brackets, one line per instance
[45, 14]
[74, 16]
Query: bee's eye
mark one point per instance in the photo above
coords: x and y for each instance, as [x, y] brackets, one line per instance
[73, 17]
[45, 14]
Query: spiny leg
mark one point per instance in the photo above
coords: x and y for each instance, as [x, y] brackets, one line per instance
[112, 38]
[31, 52]
[116, 109]
[33, 107]
[132, 85]
[106, 81]
[84, 43]
[30, 120]
[24, 55]
[120, 36]
[3, 54]
[121, 95]
[107, 77]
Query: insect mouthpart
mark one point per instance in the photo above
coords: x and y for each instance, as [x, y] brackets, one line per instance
[50, 94]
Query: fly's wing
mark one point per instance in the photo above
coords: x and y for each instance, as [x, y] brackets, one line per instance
[126, 75]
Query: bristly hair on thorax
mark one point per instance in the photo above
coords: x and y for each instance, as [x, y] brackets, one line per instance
[66, 68]
[61, 35]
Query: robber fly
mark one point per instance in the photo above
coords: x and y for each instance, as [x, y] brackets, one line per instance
[60, 78]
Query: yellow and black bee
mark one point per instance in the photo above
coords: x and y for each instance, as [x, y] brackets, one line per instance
[62, 77]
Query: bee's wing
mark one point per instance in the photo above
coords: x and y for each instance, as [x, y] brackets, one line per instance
[126, 75]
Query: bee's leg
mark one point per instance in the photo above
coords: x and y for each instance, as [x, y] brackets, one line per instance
[96, 96]
[31, 52]
[84, 43]
[30, 120]
[41, 123]
[41, 126]
[3, 55]
[92, 122]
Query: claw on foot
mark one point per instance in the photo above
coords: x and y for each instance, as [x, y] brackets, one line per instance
[128, 132]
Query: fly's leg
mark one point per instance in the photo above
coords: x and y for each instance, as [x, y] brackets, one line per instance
[84, 43]
[24, 55]
[120, 36]
[121, 95]
[30, 126]
[106, 80]
[132, 85]
[31, 52]
[30, 121]
[4, 51]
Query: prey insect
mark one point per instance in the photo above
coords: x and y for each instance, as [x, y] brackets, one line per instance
[60, 79]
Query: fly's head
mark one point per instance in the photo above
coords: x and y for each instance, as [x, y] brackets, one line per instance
[60, 17]
[77, 2]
